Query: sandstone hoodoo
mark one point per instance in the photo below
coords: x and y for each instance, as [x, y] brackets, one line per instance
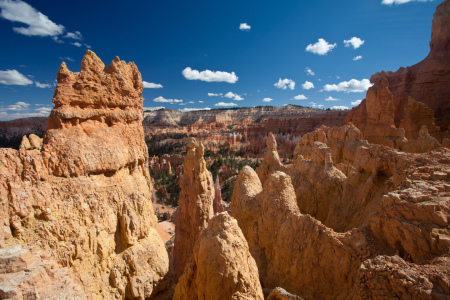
[85, 197]
[195, 205]
[221, 266]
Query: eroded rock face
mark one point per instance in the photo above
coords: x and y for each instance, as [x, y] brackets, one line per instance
[195, 205]
[427, 82]
[95, 126]
[271, 161]
[86, 195]
[380, 127]
[221, 266]
[300, 254]
[29, 274]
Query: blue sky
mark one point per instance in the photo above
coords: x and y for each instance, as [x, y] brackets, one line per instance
[211, 54]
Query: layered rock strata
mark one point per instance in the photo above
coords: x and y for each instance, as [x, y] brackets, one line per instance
[221, 266]
[195, 205]
[427, 82]
[85, 197]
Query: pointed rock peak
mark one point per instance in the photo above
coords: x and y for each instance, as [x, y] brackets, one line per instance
[192, 144]
[116, 59]
[91, 62]
[200, 151]
[271, 142]
[63, 72]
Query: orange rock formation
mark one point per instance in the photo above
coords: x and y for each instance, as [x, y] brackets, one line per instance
[85, 197]
[195, 205]
[221, 266]
[427, 82]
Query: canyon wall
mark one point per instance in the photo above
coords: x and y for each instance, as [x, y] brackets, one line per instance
[426, 82]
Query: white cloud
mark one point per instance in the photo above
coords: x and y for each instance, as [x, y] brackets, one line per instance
[191, 102]
[307, 85]
[214, 94]
[182, 104]
[43, 85]
[151, 85]
[225, 104]
[267, 100]
[353, 85]
[14, 77]
[390, 2]
[153, 108]
[331, 99]
[23, 110]
[200, 101]
[285, 83]
[320, 105]
[357, 57]
[357, 102]
[193, 109]
[354, 42]
[77, 44]
[233, 96]
[209, 76]
[67, 58]
[313, 104]
[164, 100]
[322, 47]
[299, 97]
[74, 35]
[19, 106]
[244, 26]
[309, 71]
[38, 23]
[340, 107]
[87, 46]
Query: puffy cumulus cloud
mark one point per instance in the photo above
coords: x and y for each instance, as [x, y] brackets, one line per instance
[77, 44]
[151, 85]
[244, 26]
[38, 23]
[354, 42]
[357, 57]
[19, 106]
[209, 76]
[23, 110]
[164, 100]
[357, 102]
[339, 107]
[320, 106]
[14, 77]
[191, 102]
[390, 2]
[300, 97]
[200, 101]
[233, 96]
[153, 108]
[322, 47]
[309, 71]
[285, 83]
[353, 85]
[43, 85]
[331, 99]
[214, 94]
[307, 85]
[267, 100]
[74, 35]
[225, 104]
[193, 109]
